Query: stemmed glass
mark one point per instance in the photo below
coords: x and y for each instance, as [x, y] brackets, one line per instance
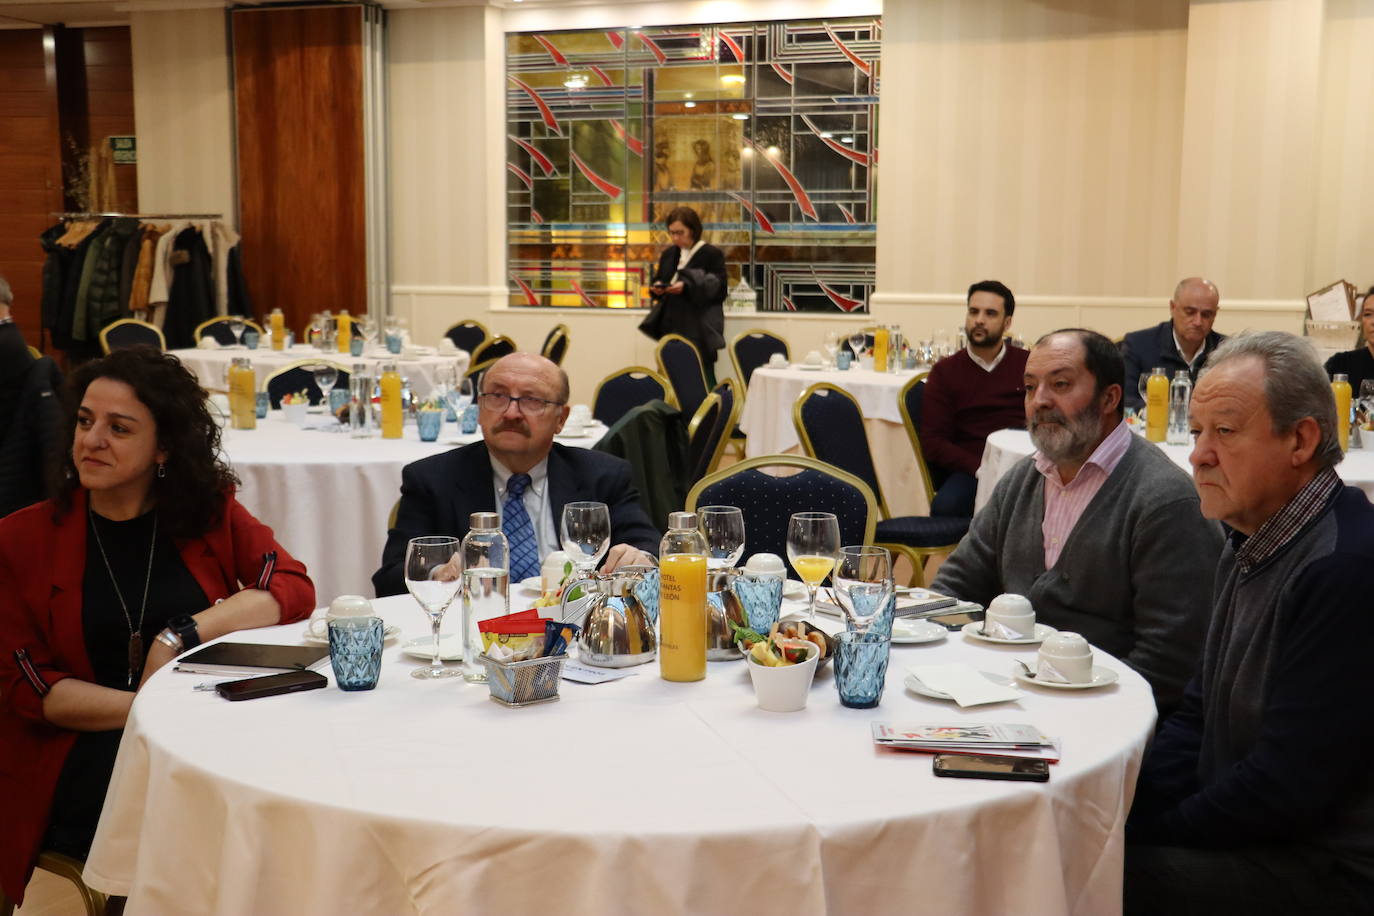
[864, 586]
[236, 327]
[586, 534]
[832, 344]
[325, 376]
[459, 396]
[813, 540]
[723, 528]
[368, 325]
[857, 339]
[434, 576]
[1366, 402]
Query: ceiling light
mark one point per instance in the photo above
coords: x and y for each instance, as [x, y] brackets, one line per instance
[772, 151]
[826, 134]
[576, 81]
[740, 117]
[732, 79]
[689, 105]
[846, 139]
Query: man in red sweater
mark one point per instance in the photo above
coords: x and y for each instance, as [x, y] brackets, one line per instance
[968, 395]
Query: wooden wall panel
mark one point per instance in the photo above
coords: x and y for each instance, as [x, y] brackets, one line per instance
[30, 168]
[110, 100]
[298, 99]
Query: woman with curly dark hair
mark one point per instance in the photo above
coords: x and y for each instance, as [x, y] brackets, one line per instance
[143, 552]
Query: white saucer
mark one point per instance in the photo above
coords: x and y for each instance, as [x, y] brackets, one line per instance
[390, 633]
[1042, 632]
[1101, 678]
[809, 368]
[916, 685]
[911, 632]
[450, 647]
[586, 432]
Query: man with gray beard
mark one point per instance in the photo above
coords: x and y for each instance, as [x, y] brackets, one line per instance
[1099, 529]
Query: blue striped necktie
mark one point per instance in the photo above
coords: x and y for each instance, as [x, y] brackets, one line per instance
[515, 522]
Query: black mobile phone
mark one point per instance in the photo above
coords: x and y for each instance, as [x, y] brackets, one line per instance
[971, 766]
[956, 621]
[270, 685]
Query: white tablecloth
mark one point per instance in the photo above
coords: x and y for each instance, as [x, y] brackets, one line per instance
[767, 422]
[636, 796]
[328, 496]
[209, 365]
[1008, 446]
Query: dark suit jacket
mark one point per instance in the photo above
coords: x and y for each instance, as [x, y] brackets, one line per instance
[1143, 350]
[440, 493]
[696, 313]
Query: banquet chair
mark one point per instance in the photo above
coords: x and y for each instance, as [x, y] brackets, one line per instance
[768, 501]
[556, 344]
[680, 363]
[468, 335]
[493, 349]
[63, 866]
[706, 433]
[830, 426]
[752, 349]
[35, 352]
[130, 332]
[298, 376]
[624, 389]
[218, 328]
[909, 404]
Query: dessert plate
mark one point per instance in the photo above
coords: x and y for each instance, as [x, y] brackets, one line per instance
[1042, 632]
[1101, 678]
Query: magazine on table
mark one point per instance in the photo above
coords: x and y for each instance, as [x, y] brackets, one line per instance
[1000, 740]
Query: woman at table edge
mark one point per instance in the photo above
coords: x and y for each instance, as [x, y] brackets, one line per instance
[100, 583]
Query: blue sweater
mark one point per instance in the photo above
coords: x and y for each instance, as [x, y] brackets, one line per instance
[1275, 738]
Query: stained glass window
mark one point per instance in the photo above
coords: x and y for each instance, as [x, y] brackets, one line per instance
[768, 130]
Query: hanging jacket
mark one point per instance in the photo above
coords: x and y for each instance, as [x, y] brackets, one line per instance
[104, 261]
[191, 298]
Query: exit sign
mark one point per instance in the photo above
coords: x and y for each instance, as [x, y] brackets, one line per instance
[125, 150]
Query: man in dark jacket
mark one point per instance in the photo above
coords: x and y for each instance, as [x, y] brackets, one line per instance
[1182, 342]
[29, 414]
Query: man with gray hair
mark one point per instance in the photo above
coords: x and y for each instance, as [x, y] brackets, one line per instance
[1257, 794]
[1182, 342]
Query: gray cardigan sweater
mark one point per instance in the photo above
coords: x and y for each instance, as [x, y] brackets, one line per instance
[1134, 577]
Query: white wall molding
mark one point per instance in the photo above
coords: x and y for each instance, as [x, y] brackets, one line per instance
[1153, 303]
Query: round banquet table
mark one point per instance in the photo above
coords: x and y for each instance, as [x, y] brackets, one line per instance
[633, 796]
[328, 496]
[766, 421]
[209, 365]
[1007, 446]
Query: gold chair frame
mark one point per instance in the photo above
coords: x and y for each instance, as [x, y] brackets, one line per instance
[248, 322]
[663, 370]
[104, 333]
[734, 358]
[669, 396]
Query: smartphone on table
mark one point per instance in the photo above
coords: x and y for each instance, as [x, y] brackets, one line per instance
[270, 685]
[977, 766]
[957, 620]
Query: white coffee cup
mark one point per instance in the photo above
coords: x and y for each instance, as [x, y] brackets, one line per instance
[342, 606]
[1067, 658]
[580, 415]
[1013, 612]
[777, 360]
[814, 358]
[447, 346]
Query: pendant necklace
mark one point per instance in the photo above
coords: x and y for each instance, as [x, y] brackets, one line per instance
[135, 632]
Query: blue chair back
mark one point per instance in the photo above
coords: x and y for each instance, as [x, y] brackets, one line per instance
[830, 426]
[909, 405]
[752, 349]
[681, 364]
[130, 332]
[621, 391]
[556, 344]
[768, 502]
[493, 349]
[468, 335]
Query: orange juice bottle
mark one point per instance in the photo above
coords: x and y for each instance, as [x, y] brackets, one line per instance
[682, 600]
[1157, 405]
[392, 418]
[277, 322]
[243, 409]
[345, 334]
[1340, 388]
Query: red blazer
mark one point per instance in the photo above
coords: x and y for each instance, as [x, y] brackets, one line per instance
[42, 565]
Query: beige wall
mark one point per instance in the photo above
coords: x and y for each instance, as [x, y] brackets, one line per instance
[1087, 152]
[183, 113]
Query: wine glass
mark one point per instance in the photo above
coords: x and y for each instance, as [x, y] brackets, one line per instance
[832, 344]
[864, 587]
[813, 540]
[723, 528]
[325, 377]
[236, 327]
[586, 534]
[857, 339]
[368, 325]
[433, 577]
[459, 396]
[1366, 402]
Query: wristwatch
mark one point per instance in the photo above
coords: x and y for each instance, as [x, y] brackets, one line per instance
[183, 627]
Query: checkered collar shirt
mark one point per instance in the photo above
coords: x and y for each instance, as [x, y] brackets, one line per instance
[1287, 523]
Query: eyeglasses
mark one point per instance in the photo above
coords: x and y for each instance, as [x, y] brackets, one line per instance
[529, 406]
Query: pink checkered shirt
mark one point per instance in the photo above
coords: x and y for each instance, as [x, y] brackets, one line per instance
[1064, 503]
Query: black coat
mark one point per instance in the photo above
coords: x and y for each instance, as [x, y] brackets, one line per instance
[439, 493]
[26, 444]
[1143, 350]
[696, 313]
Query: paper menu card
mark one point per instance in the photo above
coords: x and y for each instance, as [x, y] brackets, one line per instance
[1332, 303]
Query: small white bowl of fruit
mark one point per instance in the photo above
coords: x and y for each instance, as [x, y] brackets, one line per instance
[781, 669]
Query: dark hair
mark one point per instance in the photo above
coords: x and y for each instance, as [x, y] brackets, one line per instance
[688, 217]
[191, 497]
[997, 288]
[1101, 358]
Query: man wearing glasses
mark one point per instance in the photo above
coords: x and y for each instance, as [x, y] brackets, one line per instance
[518, 470]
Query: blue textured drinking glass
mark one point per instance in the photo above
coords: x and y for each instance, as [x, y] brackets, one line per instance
[355, 346]
[860, 668]
[761, 598]
[355, 651]
[338, 399]
[429, 422]
[260, 404]
[874, 605]
[250, 338]
[393, 343]
[843, 358]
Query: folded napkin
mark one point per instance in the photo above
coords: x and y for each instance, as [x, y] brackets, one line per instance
[996, 629]
[1047, 672]
[964, 683]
